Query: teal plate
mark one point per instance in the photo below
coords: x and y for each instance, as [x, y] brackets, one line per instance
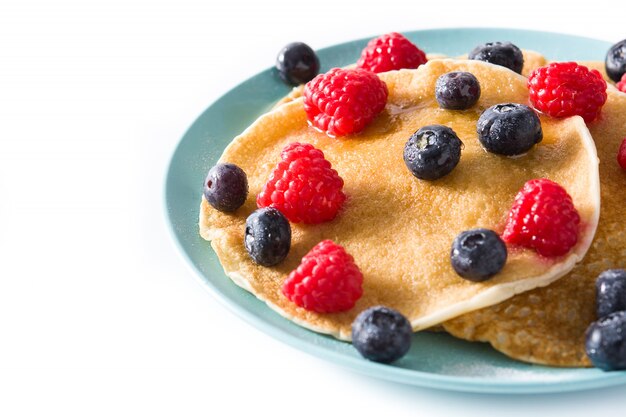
[435, 360]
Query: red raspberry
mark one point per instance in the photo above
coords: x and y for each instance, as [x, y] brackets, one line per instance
[564, 89]
[621, 86]
[303, 186]
[344, 101]
[390, 52]
[621, 154]
[543, 217]
[327, 280]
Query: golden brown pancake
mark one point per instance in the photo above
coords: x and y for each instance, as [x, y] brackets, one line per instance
[547, 325]
[398, 228]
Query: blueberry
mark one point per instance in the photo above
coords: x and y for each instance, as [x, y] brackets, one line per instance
[226, 187]
[478, 254]
[268, 236]
[297, 63]
[615, 63]
[611, 292]
[504, 54]
[381, 334]
[509, 129]
[432, 152]
[457, 90]
[605, 342]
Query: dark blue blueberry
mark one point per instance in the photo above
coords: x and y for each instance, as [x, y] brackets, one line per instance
[432, 152]
[381, 334]
[611, 292]
[478, 254]
[268, 236]
[504, 54]
[226, 187]
[509, 129]
[457, 90]
[615, 63]
[297, 63]
[605, 342]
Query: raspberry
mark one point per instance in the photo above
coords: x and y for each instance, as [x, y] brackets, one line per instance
[344, 101]
[326, 281]
[543, 217]
[303, 186]
[564, 89]
[621, 154]
[390, 52]
[621, 86]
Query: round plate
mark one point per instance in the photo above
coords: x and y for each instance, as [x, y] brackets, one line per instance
[435, 360]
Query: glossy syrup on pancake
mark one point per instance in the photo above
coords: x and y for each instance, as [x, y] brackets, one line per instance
[399, 229]
[547, 325]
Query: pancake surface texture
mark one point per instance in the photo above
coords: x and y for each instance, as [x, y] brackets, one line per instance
[547, 325]
[398, 228]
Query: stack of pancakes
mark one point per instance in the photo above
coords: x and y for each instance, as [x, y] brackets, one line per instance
[399, 229]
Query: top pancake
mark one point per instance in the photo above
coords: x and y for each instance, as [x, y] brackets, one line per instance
[547, 325]
[400, 229]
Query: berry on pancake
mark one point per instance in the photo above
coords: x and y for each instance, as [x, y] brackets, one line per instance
[432, 152]
[563, 89]
[226, 187]
[509, 129]
[390, 52]
[478, 254]
[457, 90]
[303, 186]
[543, 217]
[504, 54]
[344, 101]
[326, 281]
[267, 237]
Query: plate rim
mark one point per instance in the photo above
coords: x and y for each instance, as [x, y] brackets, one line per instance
[491, 385]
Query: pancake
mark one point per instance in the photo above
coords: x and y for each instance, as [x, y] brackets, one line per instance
[400, 229]
[547, 325]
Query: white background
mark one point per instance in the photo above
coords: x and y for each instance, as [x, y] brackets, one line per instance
[98, 313]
